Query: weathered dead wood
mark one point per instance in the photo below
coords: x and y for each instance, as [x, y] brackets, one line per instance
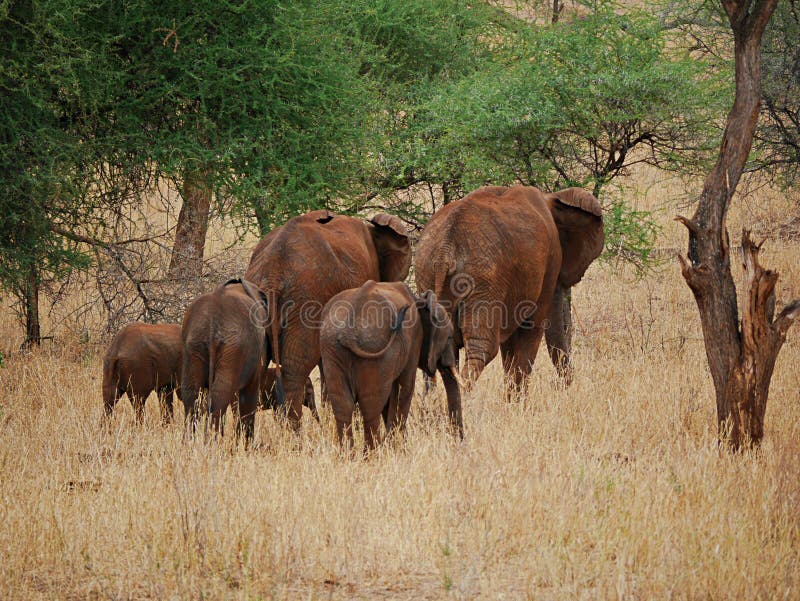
[762, 339]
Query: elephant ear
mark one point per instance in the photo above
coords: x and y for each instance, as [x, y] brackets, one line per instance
[390, 237]
[579, 219]
[437, 347]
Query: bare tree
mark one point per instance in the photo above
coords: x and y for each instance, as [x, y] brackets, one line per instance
[741, 357]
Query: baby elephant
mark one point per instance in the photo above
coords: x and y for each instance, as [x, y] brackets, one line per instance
[373, 339]
[143, 358]
[224, 352]
[268, 400]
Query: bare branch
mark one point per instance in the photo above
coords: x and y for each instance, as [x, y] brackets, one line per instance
[787, 317]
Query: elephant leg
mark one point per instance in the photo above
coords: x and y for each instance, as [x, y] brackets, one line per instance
[248, 404]
[137, 398]
[309, 401]
[340, 396]
[453, 391]
[221, 394]
[385, 414]
[294, 386]
[195, 377]
[401, 395]
[372, 426]
[223, 389]
[111, 394]
[390, 408]
[372, 399]
[165, 399]
[519, 353]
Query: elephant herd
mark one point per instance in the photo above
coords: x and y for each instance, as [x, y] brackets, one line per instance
[326, 290]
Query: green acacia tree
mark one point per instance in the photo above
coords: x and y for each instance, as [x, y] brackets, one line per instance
[256, 102]
[576, 102]
[258, 105]
[42, 160]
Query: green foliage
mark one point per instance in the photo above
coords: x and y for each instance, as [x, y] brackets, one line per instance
[630, 235]
[41, 156]
[263, 97]
[572, 103]
[777, 140]
[579, 102]
[285, 107]
[413, 50]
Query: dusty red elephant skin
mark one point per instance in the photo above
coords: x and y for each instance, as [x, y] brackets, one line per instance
[223, 351]
[141, 359]
[268, 397]
[373, 340]
[306, 261]
[500, 260]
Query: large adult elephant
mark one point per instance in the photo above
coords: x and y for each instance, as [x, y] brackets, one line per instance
[305, 262]
[502, 260]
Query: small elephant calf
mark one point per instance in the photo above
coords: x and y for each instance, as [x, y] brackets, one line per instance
[224, 352]
[143, 358]
[373, 339]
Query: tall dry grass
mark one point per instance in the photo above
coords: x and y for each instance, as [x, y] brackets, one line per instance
[612, 488]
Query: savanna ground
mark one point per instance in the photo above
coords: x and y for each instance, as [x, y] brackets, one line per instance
[612, 488]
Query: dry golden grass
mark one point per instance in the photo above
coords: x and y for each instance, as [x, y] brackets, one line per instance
[612, 488]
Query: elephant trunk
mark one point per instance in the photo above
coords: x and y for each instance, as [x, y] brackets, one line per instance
[451, 385]
[354, 347]
[559, 335]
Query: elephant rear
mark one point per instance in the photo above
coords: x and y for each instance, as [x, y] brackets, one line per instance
[142, 358]
[224, 350]
[503, 260]
[305, 262]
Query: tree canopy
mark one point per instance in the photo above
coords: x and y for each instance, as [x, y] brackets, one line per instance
[273, 109]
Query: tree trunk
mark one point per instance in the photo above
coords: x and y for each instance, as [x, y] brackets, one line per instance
[190, 233]
[558, 6]
[33, 333]
[265, 216]
[740, 360]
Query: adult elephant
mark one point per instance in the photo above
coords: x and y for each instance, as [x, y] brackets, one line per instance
[502, 261]
[301, 265]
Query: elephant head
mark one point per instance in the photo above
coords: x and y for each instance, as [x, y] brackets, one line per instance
[437, 344]
[579, 219]
[438, 352]
[392, 245]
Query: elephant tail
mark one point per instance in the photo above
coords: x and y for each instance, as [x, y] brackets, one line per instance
[396, 327]
[110, 378]
[274, 313]
[443, 266]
